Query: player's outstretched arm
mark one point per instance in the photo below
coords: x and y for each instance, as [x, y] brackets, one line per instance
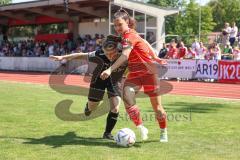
[120, 61]
[157, 59]
[70, 56]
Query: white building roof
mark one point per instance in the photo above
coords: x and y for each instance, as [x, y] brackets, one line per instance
[146, 8]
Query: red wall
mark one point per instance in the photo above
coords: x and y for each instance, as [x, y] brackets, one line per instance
[38, 20]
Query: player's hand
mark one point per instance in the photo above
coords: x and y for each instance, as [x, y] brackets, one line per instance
[56, 58]
[105, 74]
[161, 61]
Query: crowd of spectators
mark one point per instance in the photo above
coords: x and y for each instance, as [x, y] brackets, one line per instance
[29, 48]
[228, 49]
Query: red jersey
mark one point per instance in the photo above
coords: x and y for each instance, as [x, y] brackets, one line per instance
[182, 52]
[140, 56]
[172, 53]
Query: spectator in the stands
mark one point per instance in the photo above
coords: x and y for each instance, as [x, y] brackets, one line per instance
[1, 53]
[191, 53]
[150, 37]
[233, 34]
[201, 52]
[91, 45]
[42, 49]
[195, 45]
[236, 54]
[62, 50]
[215, 52]
[37, 51]
[102, 36]
[163, 51]
[50, 49]
[173, 51]
[227, 52]
[182, 50]
[226, 33]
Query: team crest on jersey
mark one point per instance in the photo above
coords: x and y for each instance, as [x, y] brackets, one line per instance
[126, 43]
[126, 40]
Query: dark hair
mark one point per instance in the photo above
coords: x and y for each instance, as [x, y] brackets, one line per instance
[111, 42]
[121, 13]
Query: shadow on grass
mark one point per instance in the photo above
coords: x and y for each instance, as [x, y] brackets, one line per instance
[71, 138]
[192, 107]
[195, 107]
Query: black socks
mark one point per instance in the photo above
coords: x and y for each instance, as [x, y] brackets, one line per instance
[111, 121]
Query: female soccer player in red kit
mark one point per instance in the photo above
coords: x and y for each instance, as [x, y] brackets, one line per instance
[141, 61]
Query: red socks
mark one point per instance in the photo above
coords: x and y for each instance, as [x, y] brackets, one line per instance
[162, 121]
[134, 114]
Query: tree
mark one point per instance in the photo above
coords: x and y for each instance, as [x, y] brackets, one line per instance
[170, 21]
[2, 2]
[225, 11]
[3, 28]
[187, 23]
[165, 3]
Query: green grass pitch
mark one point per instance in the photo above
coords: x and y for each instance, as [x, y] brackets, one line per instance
[198, 128]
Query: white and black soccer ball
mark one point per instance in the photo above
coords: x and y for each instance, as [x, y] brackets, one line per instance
[125, 137]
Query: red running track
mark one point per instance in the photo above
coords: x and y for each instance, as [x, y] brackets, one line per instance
[217, 90]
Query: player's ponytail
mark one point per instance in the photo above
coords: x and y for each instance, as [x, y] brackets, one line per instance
[121, 13]
[132, 23]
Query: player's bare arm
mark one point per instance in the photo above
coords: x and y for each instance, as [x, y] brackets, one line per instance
[157, 59]
[70, 56]
[121, 60]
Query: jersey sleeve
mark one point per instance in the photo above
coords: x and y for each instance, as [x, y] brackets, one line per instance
[92, 56]
[95, 57]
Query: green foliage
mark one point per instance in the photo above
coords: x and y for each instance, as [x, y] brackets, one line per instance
[3, 2]
[186, 23]
[22, 31]
[165, 3]
[225, 11]
[28, 31]
[52, 28]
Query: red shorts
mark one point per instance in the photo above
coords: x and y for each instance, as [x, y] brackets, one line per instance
[149, 82]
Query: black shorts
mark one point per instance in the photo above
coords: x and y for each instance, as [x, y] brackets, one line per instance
[98, 87]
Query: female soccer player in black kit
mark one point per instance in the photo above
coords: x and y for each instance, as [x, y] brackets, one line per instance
[104, 58]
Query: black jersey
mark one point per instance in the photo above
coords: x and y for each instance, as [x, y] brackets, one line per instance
[98, 57]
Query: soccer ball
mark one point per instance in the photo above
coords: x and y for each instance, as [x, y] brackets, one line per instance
[125, 137]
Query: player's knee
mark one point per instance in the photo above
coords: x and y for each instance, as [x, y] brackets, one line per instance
[128, 101]
[128, 96]
[115, 110]
[115, 103]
